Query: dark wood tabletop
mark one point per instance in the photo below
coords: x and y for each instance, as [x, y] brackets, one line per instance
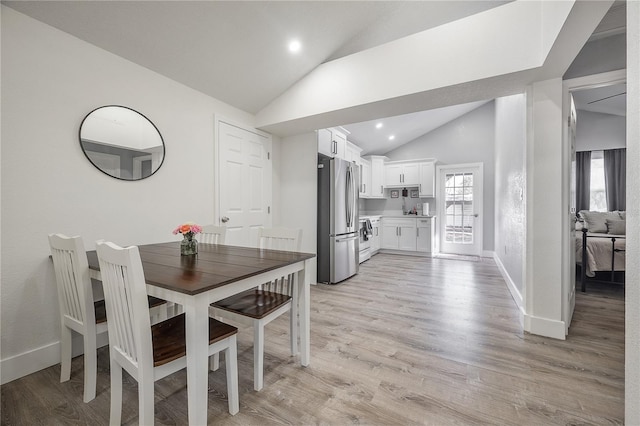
[214, 265]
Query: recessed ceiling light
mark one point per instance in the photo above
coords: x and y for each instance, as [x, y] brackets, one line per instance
[378, 125]
[392, 137]
[295, 46]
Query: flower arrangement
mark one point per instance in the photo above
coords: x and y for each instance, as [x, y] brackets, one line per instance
[189, 245]
[188, 230]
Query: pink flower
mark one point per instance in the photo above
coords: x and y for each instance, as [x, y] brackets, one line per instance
[188, 228]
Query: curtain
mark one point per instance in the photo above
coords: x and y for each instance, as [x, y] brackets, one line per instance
[615, 170]
[583, 180]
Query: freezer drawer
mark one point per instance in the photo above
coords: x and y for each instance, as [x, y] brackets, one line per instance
[344, 257]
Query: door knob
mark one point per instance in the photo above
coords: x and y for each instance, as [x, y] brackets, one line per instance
[225, 219]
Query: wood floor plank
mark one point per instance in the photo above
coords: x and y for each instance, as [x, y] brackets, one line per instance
[407, 341]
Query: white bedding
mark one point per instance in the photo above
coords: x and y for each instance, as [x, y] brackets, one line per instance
[599, 252]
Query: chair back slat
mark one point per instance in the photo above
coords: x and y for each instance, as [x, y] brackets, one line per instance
[126, 302]
[285, 239]
[75, 294]
[212, 234]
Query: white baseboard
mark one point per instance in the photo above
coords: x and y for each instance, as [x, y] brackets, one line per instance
[406, 253]
[515, 293]
[545, 327]
[29, 362]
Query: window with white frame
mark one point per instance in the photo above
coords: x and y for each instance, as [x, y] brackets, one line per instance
[598, 196]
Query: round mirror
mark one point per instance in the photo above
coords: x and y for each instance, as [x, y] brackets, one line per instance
[121, 142]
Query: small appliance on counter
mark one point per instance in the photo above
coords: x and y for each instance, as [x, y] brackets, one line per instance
[425, 209]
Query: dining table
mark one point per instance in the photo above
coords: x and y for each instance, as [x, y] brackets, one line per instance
[214, 273]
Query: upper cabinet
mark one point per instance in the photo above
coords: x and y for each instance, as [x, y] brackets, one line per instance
[332, 143]
[377, 176]
[376, 172]
[402, 174]
[426, 186]
[365, 178]
[352, 153]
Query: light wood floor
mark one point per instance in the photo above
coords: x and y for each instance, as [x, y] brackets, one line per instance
[407, 341]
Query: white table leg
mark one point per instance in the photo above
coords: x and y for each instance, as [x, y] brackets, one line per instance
[197, 333]
[304, 306]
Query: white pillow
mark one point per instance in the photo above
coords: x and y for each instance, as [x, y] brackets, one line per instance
[594, 221]
[617, 227]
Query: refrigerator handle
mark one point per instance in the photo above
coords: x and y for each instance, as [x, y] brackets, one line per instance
[348, 196]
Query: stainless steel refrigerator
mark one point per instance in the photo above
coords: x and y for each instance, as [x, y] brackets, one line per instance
[338, 225]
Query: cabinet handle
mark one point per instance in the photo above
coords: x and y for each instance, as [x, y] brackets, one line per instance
[418, 232]
[400, 231]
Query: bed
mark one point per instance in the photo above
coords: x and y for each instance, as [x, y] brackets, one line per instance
[600, 245]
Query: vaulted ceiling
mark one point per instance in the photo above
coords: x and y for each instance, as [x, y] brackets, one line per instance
[236, 51]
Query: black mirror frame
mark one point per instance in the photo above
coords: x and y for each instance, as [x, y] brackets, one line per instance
[164, 146]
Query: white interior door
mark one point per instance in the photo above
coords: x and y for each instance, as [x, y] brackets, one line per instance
[244, 184]
[569, 299]
[460, 209]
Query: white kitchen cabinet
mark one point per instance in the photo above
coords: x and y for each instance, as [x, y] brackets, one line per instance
[424, 234]
[377, 235]
[399, 234]
[352, 153]
[340, 143]
[402, 174]
[377, 177]
[427, 185]
[365, 178]
[332, 143]
[325, 144]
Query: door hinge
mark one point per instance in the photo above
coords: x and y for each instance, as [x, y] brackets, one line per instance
[268, 209]
[268, 156]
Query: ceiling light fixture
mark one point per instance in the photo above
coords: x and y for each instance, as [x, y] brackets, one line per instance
[378, 125]
[295, 46]
[392, 137]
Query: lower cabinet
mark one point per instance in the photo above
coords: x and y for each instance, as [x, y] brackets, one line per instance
[408, 234]
[399, 234]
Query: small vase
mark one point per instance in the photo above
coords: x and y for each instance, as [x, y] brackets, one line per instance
[188, 246]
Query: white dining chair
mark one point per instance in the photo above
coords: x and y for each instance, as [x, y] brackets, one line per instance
[258, 307]
[79, 311]
[213, 234]
[149, 353]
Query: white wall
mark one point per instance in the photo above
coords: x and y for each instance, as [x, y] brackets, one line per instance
[544, 165]
[595, 131]
[598, 56]
[468, 139]
[510, 187]
[50, 81]
[298, 189]
[632, 311]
